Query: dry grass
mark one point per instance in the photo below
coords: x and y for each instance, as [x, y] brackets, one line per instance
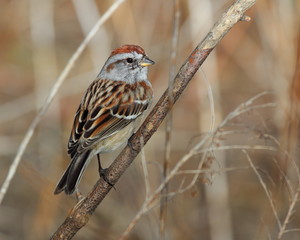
[235, 179]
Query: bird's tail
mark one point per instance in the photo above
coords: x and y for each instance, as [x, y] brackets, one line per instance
[72, 175]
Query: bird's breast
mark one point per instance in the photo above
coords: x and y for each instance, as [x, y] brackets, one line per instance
[115, 141]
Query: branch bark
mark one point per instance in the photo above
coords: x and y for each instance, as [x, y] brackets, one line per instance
[81, 213]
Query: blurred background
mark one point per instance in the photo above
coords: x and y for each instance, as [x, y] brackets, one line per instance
[251, 185]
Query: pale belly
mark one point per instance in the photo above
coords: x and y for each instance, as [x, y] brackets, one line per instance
[113, 142]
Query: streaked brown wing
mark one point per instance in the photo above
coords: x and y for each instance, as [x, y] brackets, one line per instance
[107, 115]
[77, 130]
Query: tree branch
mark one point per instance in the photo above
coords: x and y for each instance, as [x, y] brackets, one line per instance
[81, 213]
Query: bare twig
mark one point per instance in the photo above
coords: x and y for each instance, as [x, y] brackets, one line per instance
[210, 171]
[295, 196]
[80, 214]
[246, 107]
[145, 170]
[290, 212]
[167, 160]
[54, 90]
[263, 184]
[292, 230]
[87, 14]
[25, 104]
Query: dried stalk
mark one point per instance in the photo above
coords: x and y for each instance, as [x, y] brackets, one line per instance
[263, 184]
[168, 130]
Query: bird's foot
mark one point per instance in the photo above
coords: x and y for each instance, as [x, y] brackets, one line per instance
[103, 174]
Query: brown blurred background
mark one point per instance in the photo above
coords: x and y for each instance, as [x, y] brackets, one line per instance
[38, 38]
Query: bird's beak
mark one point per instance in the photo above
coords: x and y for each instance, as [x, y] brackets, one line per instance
[146, 62]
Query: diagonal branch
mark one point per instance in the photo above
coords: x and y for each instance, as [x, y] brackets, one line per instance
[81, 213]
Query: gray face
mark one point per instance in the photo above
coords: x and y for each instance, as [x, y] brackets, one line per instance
[124, 67]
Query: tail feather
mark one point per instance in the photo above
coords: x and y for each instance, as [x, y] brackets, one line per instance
[72, 175]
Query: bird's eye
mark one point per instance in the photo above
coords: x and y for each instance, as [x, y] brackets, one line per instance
[129, 60]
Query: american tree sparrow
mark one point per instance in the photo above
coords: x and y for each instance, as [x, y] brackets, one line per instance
[106, 115]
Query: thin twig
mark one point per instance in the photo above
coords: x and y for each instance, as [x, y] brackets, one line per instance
[290, 212]
[146, 172]
[168, 130]
[87, 14]
[13, 167]
[25, 104]
[263, 184]
[210, 171]
[292, 230]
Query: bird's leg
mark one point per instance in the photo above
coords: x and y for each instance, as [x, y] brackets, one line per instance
[79, 196]
[102, 172]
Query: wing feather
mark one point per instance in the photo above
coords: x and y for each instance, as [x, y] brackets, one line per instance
[112, 106]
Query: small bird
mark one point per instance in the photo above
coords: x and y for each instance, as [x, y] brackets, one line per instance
[106, 116]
